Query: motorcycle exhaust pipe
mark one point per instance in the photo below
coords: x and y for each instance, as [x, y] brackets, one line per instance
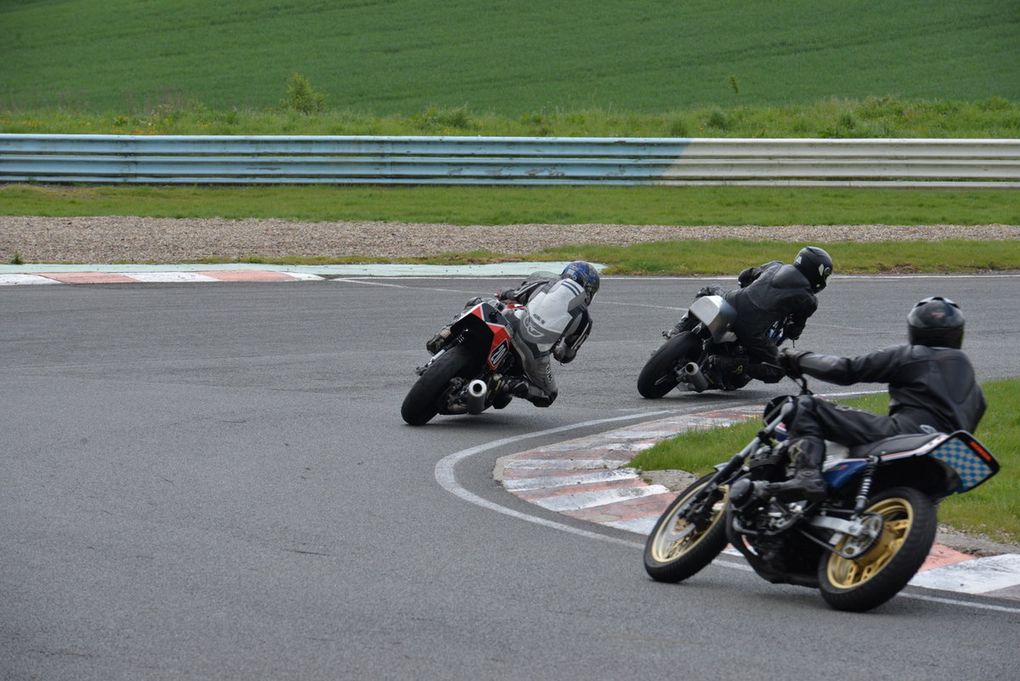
[476, 392]
[694, 378]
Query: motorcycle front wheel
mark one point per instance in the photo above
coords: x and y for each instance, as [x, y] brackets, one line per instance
[677, 548]
[423, 400]
[909, 521]
[658, 376]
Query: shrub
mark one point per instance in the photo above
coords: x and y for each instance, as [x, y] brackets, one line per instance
[302, 97]
[718, 119]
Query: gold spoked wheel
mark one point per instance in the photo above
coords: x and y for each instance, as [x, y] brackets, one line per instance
[678, 547]
[908, 530]
[678, 536]
[897, 519]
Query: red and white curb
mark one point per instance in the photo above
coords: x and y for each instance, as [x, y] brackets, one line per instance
[43, 273]
[588, 478]
[35, 278]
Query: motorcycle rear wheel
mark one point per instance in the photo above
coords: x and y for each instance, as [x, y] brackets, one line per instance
[658, 376]
[423, 400]
[676, 549]
[909, 522]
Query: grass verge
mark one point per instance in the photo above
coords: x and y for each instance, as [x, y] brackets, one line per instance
[678, 258]
[723, 206]
[523, 205]
[993, 509]
[994, 117]
[726, 256]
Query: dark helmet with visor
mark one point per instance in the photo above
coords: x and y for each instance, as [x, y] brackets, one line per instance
[584, 274]
[936, 322]
[816, 266]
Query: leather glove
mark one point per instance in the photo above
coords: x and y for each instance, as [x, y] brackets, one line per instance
[563, 353]
[789, 360]
[793, 331]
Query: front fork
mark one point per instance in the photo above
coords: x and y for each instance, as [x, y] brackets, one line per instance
[695, 510]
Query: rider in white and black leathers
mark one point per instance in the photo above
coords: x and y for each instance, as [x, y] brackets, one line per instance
[554, 321]
[931, 389]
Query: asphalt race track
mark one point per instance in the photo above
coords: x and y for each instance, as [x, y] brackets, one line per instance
[212, 481]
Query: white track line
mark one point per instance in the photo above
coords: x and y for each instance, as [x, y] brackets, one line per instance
[447, 480]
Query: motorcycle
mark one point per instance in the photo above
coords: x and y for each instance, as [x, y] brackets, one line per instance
[469, 372]
[859, 546]
[704, 332]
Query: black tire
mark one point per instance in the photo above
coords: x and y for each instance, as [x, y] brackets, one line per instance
[658, 377]
[669, 558]
[910, 521]
[423, 400]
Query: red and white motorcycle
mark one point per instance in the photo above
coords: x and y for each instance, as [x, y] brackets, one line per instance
[470, 372]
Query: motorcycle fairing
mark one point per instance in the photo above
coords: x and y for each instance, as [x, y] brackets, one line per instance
[715, 313]
[499, 338]
[966, 461]
[497, 356]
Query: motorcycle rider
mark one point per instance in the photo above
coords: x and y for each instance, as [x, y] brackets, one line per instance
[770, 293]
[553, 320]
[931, 388]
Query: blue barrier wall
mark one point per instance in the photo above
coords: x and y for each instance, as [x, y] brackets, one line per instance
[166, 159]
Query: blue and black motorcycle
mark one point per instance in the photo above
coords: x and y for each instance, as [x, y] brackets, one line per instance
[860, 546]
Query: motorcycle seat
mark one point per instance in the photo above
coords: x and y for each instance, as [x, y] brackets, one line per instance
[890, 445]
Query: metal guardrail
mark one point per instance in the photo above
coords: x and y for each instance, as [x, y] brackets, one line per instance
[207, 159]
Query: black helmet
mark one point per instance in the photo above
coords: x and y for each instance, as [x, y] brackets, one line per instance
[585, 275]
[815, 264]
[936, 322]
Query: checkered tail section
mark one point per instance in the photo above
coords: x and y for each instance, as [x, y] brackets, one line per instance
[968, 457]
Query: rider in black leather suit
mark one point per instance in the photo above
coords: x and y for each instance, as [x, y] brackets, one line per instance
[931, 388]
[770, 293]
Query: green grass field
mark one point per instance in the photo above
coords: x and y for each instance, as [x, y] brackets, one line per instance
[525, 57]
[993, 117]
[518, 205]
[992, 509]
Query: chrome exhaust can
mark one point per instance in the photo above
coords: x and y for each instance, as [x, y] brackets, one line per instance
[476, 392]
[693, 377]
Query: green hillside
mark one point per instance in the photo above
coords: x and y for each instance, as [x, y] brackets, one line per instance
[405, 56]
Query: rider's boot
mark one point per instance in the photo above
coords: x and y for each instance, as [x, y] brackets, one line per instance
[518, 387]
[726, 365]
[502, 394]
[807, 482]
[436, 343]
[765, 372]
[524, 388]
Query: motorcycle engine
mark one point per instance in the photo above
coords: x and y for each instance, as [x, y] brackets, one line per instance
[769, 463]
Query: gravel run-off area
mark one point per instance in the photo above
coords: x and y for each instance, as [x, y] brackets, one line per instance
[116, 239]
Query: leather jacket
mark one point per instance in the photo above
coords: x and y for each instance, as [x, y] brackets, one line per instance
[576, 330]
[927, 386]
[770, 293]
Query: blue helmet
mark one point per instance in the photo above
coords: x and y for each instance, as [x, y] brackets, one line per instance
[585, 275]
